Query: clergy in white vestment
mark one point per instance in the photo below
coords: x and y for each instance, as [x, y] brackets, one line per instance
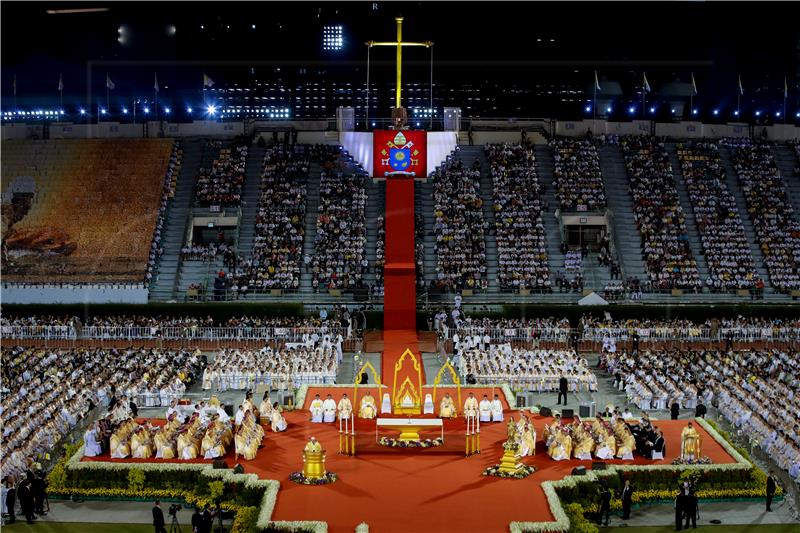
[91, 446]
[345, 408]
[485, 409]
[329, 409]
[278, 422]
[207, 378]
[427, 407]
[316, 410]
[237, 421]
[471, 406]
[497, 409]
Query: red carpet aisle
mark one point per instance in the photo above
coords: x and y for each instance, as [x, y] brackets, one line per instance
[434, 490]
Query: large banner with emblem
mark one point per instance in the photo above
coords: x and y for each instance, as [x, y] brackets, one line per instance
[400, 154]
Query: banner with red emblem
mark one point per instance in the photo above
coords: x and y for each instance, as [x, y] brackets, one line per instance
[400, 154]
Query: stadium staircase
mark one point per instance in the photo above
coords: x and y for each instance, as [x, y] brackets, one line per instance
[625, 236]
[468, 155]
[312, 211]
[732, 181]
[552, 236]
[695, 244]
[250, 197]
[423, 205]
[376, 205]
[786, 160]
[175, 224]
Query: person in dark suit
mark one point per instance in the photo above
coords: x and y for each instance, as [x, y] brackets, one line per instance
[627, 499]
[690, 509]
[39, 486]
[25, 494]
[605, 503]
[674, 410]
[771, 486]
[134, 408]
[11, 499]
[680, 503]
[659, 445]
[197, 521]
[562, 390]
[158, 518]
[700, 411]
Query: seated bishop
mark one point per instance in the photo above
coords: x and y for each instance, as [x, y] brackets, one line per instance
[278, 422]
[368, 408]
[344, 408]
[316, 410]
[485, 409]
[471, 406]
[447, 408]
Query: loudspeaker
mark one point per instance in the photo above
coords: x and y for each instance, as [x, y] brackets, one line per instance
[545, 411]
[228, 409]
[598, 465]
[567, 413]
[238, 469]
[587, 410]
[579, 471]
[219, 463]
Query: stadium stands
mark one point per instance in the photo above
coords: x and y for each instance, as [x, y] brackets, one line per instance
[577, 177]
[92, 208]
[222, 182]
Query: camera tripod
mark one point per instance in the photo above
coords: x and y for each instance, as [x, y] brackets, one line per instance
[175, 527]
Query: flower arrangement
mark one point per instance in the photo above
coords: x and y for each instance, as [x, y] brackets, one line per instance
[299, 477]
[521, 473]
[363, 527]
[704, 460]
[424, 443]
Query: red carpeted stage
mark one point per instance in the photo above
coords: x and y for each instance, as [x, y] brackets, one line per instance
[431, 490]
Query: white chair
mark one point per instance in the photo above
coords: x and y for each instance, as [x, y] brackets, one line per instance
[386, 404]
[657, 456]
[427, 408]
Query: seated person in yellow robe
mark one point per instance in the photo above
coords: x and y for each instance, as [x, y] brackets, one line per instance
[278, 422]
[585, 446]
[528, 441]
[141, 447]
[447, 408]
[626, 443]
[368, 409]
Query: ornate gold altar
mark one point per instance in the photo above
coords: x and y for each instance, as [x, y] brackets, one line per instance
[407, 398]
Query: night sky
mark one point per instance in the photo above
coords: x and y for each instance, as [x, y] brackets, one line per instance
[507, 42]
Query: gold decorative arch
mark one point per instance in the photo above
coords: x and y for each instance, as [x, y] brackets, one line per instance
[447, 366]
[357, 382]
[407, 388]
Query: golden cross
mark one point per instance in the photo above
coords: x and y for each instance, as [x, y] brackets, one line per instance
[399, 44]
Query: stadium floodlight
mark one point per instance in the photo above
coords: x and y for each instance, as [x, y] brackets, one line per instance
[373, 124]
[716, 112]
[189, 110]
[758, 113]
[332, 37]
[631, 110]
[166, 110]
[608, 109]
[777, 113]
[102, 111]
[61, 112]
[253, 26]
[146, 110]
[736, 113]
[83, 111]
[588, 109]
[694, 111]
[672, 110]
[418, 124]
[124, 110]
[652, 110]
[212, 109]
[797, 115]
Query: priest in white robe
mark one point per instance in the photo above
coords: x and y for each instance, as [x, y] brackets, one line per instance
[471, 406]
[497, 409]
[345, 408]
[329, 409]
[91, 446]
[316, 410]
[485, 409]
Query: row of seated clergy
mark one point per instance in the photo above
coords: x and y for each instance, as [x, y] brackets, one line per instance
[271, 412]
[584, 440]
[327, 410]
[249, 435]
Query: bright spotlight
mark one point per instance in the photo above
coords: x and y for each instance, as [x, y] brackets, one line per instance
[418, 124]
[694, 111]
[758, 113]
[672, 111]
[61, 112]
[736, 112]
[631, 110]
[102, 111]
[777, 113]
[124, 110]
[83, 111]
[608, 109]
[166, 110]
[716, 112]
[588, 108]
[188, 109]
[253, 26]
[212, 109]
[373, 124]
[171, 30]
[652, 109]
[146, 110]
[797, 115]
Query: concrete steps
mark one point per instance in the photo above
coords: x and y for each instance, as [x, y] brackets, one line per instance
[552, 229]
[250, 198]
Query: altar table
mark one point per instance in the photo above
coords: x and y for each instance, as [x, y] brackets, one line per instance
[409, 427]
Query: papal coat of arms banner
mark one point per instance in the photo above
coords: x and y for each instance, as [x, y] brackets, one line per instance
[400, 154]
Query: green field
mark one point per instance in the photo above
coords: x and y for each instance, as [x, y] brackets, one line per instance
[83, 527]
[751, 528]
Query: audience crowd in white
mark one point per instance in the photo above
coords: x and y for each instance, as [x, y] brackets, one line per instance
[341, 238]
[222, 183]
[774, 220]
[576, 175]
[459, 228]
[725, 246]
[659, 216]
[517, 195]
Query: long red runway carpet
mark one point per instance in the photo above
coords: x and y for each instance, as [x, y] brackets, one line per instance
[431, 490]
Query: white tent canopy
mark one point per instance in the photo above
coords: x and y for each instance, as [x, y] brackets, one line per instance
[592, 299]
